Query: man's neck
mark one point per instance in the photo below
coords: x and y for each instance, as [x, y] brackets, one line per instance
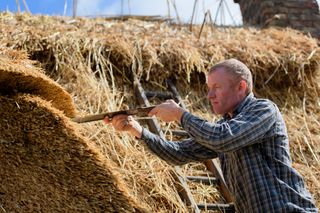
[230, 114]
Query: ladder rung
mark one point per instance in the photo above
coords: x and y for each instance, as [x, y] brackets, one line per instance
[162, 95]
[179, 132]
[221, 207]
[203, 179]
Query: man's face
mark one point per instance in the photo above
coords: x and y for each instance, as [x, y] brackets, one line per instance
[224, 93]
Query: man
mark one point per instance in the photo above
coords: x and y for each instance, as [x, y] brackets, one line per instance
[250, 140]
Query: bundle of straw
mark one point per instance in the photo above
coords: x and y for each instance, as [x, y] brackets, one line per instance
[46, 165]
[94, 60]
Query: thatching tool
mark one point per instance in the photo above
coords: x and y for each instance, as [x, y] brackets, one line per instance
[141, 111]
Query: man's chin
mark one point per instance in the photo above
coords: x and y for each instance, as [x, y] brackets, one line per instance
[215, 111]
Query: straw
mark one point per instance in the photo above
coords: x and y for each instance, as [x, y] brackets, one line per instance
[94, 59]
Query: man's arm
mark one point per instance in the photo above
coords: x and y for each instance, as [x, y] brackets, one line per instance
[177, 153]
[245, 129]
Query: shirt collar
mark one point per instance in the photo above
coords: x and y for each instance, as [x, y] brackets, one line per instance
[240, 106]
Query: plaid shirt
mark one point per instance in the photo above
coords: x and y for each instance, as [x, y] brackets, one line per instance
[253, 149]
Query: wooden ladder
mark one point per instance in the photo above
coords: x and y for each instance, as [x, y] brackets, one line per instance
[211, 165]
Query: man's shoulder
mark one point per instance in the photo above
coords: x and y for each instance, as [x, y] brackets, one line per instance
[262, 103]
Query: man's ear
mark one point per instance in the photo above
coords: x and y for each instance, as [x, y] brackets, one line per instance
[243, 86]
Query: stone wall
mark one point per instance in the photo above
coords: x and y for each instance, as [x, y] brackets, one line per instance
[303, 15]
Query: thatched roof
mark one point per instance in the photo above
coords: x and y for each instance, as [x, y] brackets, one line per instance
[151, 48]
[46, 165]
[18, 75]
[94, 60]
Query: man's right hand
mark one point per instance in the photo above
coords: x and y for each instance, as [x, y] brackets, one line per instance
[125, 123]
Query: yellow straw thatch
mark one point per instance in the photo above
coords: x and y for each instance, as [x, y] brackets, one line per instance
[94, 60]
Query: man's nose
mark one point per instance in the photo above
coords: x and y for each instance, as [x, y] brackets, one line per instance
[211, 94]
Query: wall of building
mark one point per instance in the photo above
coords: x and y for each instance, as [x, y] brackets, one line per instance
[303, 15]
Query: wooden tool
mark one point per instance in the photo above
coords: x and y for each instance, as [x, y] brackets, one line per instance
[142, 111]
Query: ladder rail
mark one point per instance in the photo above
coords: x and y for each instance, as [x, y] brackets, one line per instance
[154, 127]
[212, 165]
[142, 99]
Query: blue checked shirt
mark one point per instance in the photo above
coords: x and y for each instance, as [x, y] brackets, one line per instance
[253, 149]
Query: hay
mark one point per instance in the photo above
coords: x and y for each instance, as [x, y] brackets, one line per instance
[94, 60]
[18, 75]
[46, 165]
[155, 51]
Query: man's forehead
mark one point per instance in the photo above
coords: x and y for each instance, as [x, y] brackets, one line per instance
[218, 74]
[218, 70]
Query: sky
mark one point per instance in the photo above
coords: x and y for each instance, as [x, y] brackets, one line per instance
[135, 7]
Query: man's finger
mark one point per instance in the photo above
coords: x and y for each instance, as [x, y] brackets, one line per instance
[107, 120]
[120, 116]
[117, 121]
[153, 112]
[125, 123]
[117, 118]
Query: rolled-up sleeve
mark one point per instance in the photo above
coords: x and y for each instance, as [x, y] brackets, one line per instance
[245, 129]
[176, 153]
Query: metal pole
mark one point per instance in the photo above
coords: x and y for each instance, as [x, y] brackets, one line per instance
[18, 5]
[75, 5]
[26, 6]
[193, 12]
[65, 7]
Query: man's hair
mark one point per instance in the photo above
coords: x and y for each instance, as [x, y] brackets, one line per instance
[237, 69]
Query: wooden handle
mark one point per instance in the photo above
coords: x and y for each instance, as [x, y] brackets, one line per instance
[137, 111]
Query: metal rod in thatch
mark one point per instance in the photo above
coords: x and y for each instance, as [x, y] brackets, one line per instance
[18, 5]
[121, 7]
[75, 6]
[168, 5]
[176, 10]
[193, 12]
[65, 7]
[211, 21]
[230, 14]
[218, 10]
[222, 17]
[129, 7]
[202, 25]
[26, 6]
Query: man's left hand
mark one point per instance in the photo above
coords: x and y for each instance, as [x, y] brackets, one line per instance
[167, 111]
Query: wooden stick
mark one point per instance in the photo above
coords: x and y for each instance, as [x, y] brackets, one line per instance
[137, 111]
